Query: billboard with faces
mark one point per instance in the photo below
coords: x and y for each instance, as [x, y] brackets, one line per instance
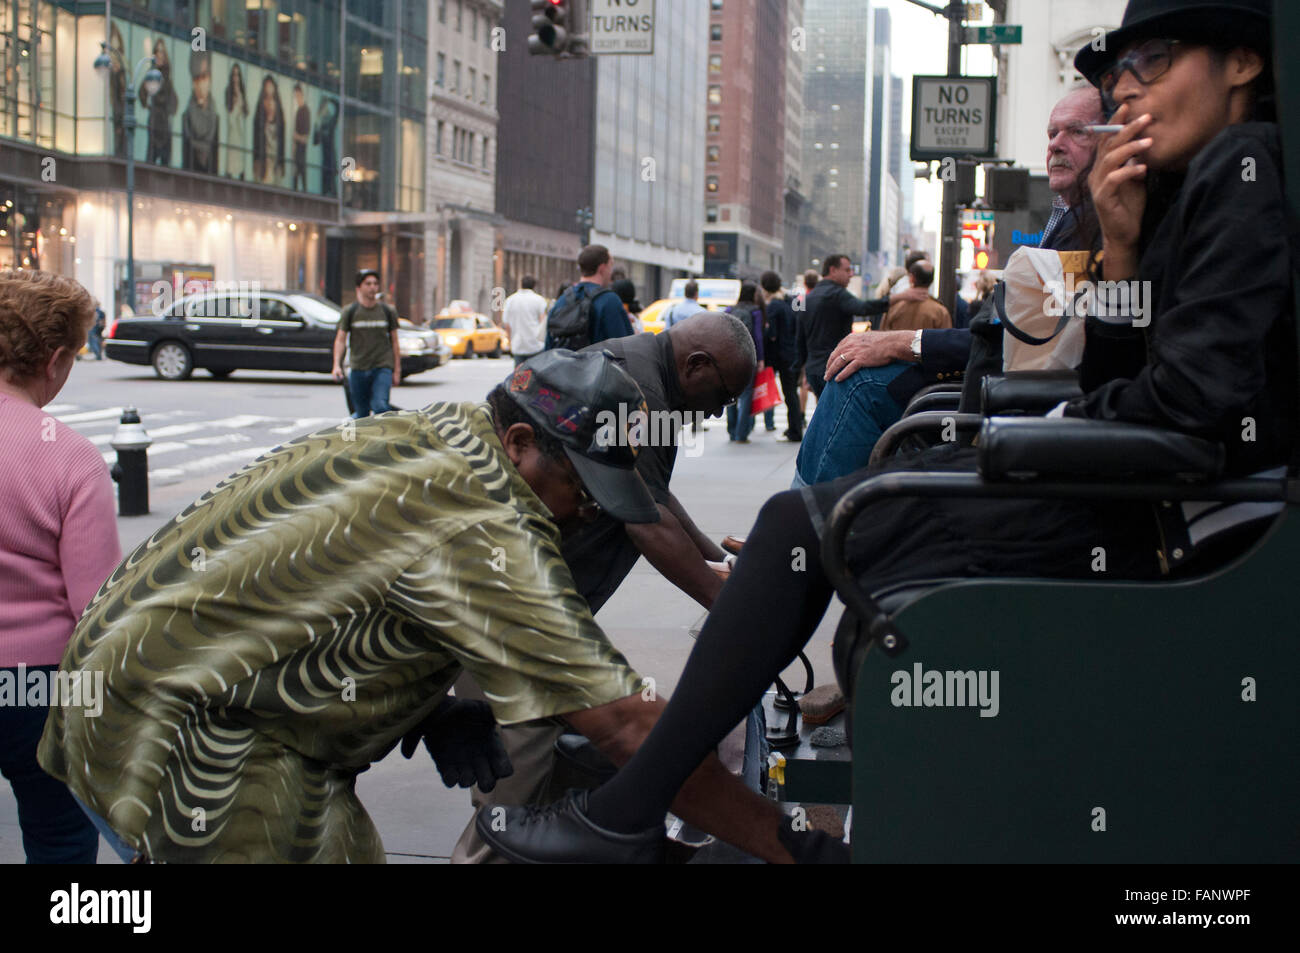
[223, 116]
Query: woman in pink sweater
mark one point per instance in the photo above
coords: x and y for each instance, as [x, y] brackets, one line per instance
[58, 543]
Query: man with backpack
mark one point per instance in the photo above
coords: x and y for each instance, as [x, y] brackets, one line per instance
[588, 311]
[368, 329]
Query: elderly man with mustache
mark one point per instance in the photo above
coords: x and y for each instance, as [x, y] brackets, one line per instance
[873, 374]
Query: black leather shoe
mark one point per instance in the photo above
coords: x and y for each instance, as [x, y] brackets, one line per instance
[561, 833]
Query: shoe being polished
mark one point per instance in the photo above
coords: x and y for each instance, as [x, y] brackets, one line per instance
[561, 833]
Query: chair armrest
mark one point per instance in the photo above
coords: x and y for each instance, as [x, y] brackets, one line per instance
[938, 397]
[1029, 393]
[1026, 448]
[934, 422]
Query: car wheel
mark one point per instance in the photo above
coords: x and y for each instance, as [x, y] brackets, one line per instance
[496, 351]
[172, 361]
[222, 373]
[469, 351]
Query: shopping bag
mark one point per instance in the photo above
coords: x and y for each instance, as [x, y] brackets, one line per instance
[1041, 310]
[766, 393]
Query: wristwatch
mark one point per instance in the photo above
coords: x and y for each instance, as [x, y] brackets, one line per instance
[916, 345]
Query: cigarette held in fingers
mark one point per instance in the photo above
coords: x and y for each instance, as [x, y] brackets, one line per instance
[1104, 129]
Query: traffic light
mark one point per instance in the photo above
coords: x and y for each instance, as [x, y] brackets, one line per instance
[552, 26]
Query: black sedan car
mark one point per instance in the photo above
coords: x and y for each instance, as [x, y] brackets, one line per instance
[223, 332]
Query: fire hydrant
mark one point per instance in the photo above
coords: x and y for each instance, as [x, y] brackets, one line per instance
[131, 471]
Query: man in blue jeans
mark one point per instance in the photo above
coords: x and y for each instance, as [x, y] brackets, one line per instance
[850, 418]
[369, 331]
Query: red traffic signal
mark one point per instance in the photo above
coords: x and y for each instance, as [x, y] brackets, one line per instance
[551, 27]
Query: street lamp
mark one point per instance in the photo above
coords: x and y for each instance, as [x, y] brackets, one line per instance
[152, 82]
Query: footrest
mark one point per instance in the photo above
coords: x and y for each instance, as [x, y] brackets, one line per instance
[812, 774]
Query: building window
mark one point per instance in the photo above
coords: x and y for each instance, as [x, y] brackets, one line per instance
[442, 11]
[455, 76]
[485, 153]
[473, 83]
[460, 12]
[437, 138]
[473, 25]
[711, 184]
[715, 153]
[715, 63]
[440, 77]
[715, 33]
[715, 124]
[710, 213]
[715, 95]
[715, 4]
[487, 91]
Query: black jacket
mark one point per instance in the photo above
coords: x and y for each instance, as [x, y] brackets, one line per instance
[782, 348]
[829, 310]
[1219, 357]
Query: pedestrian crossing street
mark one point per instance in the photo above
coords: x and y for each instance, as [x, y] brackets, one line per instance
[187, 446]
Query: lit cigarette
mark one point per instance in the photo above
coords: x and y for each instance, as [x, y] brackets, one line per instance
[1103, 130]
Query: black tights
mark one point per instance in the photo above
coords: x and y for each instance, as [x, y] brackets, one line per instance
[765, 614]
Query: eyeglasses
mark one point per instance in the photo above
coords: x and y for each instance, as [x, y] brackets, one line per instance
[725, 389]
[1147, 63]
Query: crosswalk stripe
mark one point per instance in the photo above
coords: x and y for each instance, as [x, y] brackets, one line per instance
[205, 463]
[90, 415]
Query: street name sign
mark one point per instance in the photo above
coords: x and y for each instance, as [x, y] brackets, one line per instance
[1005, 33]
[953, 116]
[621, 26]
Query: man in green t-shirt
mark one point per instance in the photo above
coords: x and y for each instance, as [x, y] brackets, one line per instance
[368, 329]
[294, 623]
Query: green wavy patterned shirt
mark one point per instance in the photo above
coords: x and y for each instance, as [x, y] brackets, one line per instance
[285, 629]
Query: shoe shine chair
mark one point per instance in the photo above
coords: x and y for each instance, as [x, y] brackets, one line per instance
[1136, 722]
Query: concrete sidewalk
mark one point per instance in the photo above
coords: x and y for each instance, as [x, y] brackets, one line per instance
[648, 619]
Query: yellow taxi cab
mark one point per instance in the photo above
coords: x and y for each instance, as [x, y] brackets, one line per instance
[716, 294]
[468, 333]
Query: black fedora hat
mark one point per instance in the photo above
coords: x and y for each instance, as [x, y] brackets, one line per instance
[1227, 21]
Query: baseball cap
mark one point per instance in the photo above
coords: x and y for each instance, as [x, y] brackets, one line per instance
[576, 398]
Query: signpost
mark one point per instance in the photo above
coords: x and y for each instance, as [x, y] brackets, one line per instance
[621, 26]
[953, 117]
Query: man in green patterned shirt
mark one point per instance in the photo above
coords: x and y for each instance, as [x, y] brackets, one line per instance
[296, 621]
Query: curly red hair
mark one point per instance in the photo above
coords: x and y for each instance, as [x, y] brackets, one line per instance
[39, 313]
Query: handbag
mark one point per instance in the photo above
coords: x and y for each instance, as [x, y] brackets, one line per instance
[766, 393]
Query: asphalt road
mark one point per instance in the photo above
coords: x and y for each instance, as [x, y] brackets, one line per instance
[204, 429]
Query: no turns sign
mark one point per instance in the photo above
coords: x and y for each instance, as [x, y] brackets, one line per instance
[953, 116]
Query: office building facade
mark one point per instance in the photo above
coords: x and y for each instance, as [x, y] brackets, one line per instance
[276, 148]
[744, 180]
[650, 140]
[836, 109]
[463, 234]
[545, 149]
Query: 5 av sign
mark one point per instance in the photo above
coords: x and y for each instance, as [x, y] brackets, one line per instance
[953, 116]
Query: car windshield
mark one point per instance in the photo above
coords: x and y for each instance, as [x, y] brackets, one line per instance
[460, 324]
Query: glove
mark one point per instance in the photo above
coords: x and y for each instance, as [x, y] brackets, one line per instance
[463, 740]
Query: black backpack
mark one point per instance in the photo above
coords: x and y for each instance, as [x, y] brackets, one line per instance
[569, 323]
